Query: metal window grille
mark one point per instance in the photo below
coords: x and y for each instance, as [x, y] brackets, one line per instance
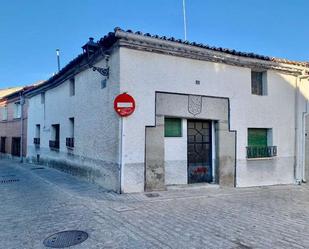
[36, 141]
[261, 151]
[69, 142]
[54, 144]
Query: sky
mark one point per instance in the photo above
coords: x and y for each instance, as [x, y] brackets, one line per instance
[31, 31]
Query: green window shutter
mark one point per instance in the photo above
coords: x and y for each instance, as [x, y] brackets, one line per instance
[172, 127]
[257, 137]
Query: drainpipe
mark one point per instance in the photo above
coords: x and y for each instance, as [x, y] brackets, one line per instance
[298, 172]
[303, 137]
[305, 114]
[296, 131]
[22, 102]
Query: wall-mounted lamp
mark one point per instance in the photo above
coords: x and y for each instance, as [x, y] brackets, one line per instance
[90, 48]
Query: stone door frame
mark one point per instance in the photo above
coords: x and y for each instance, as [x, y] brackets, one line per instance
[190, 107]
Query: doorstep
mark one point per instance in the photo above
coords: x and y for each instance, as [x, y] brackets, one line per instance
[192, 186]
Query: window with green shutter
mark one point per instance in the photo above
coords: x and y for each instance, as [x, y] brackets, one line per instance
[257, 137]
[258, 144]
[172, 127]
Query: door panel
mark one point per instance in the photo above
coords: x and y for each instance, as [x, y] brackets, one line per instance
[199, 151]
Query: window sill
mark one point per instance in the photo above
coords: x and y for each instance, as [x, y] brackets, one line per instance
[261, 158]
[259, 95]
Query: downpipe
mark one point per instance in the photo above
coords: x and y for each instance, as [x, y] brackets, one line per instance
[305, 115]
[22, 102]
[296, 131]
[299, 146]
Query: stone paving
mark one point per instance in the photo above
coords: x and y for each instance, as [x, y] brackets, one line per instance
[37, 201]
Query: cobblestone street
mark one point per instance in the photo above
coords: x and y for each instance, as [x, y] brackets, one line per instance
[37, 201]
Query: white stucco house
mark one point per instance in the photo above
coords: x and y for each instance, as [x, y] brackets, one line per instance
[203, 115]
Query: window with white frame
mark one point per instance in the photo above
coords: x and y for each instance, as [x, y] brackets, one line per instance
[36, 139]
[17, 110]
[54, 143]
[70, 139]
[4, 113]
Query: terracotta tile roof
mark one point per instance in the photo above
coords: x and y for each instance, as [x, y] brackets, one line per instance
[7, 91]
[108, 40]
[201, 45]
[15, 91]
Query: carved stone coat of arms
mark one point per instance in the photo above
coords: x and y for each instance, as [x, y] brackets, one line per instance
[195, 104]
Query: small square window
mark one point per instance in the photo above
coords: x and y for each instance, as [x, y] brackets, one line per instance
[172, 127]
[258, 83]
[257, 137]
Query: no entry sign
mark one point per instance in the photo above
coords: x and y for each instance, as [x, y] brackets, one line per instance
[124, 104]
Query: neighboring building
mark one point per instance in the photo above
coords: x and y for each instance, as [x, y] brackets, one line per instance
[203, 114]
[7, 91]
[13, 115]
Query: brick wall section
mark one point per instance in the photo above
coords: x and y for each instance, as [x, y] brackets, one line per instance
[11, 127]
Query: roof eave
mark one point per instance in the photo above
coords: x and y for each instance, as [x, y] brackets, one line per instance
[185, 46]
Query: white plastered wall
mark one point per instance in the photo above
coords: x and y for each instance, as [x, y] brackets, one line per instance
[175, 156]
[144, 73]
[96, 125]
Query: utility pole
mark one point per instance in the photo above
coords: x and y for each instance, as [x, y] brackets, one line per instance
[184, 18]
[58, 58]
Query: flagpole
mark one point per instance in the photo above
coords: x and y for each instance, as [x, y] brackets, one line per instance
[184, 18]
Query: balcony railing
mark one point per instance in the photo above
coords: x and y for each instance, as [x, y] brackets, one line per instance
[69, 141]
[261, 151]
[53, 144]
[36, 141]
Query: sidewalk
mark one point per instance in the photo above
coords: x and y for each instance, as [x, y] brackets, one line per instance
[42, 201]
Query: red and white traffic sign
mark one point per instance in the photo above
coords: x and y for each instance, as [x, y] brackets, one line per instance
[124, 104]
